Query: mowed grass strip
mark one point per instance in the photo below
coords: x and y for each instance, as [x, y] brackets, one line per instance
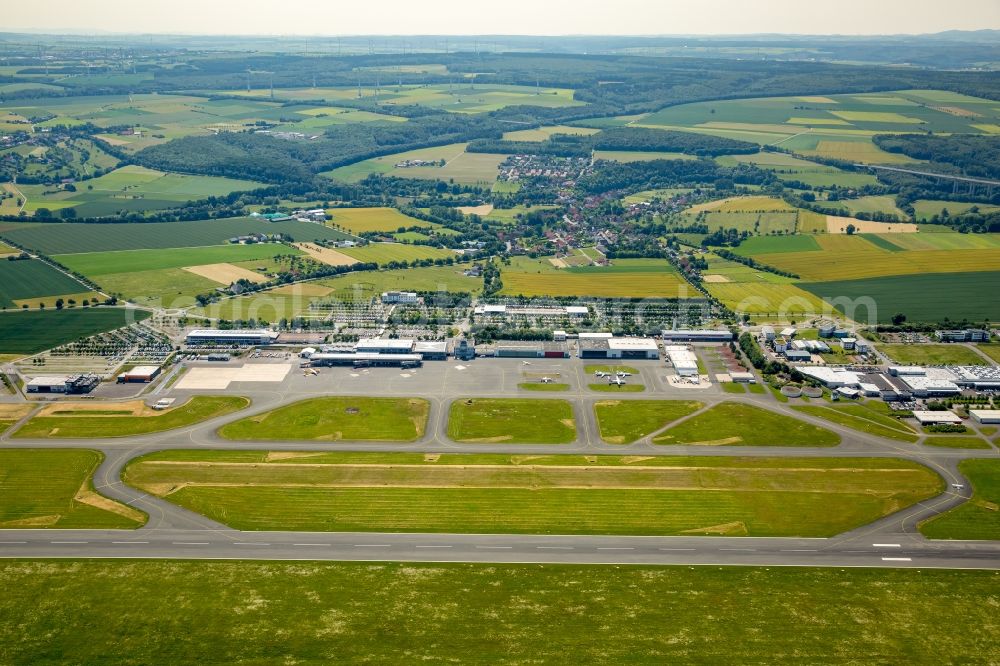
[979, 518]
[623, 495]
[511, 420]
[627, 421]
[336, 418]
[52, 488]
[739, 424]
[932, 354]
[84, 425]
[862, 419]
[232, 611]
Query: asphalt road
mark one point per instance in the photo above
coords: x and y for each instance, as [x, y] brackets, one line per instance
[173, 532]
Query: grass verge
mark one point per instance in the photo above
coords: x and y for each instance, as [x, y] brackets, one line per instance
[979, 518]
[624, 422]
[516, 421]
[739, 424]
[863, 419]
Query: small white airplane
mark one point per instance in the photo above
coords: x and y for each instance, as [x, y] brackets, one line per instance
[624, 374]
[526, 362]
[546, 380]
[600, 374]
[617, 381]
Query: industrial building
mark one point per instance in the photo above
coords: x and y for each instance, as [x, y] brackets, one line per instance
[231, 337]
[743, 377]
[767, 332]
[683, 360]
[798, 355]
[432, 350]
[923, 386]
[383, 346]
[531, 349]
[966, 335]
[619, 348]
[926, 418]
[985, 416]
[700, 335]
[140, 374]
[72, 384]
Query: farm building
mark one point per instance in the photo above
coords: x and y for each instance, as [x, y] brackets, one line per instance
[383, 346]
[926, 418]
[432, 350]
[399, 297]
[619, 348]
[232, 337]
[140, 374]
[683, 360]
[701, 335]
[985, 416]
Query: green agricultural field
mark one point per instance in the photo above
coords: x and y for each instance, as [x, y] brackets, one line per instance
[509, 215]
[627, 421]
[95, 264]
[739, 424]
[932, 354]
[516, 421]
[361, 286]
[336, 418]
[166, 288]
[766, 298]
[53, 488]
[71, 238]
[32, 278]
[35, 331]
[404, 612]
[991, 349]
[359, 220]
[875, 204]
[925, 209]
[624, 279]
[83, 425]
[639, 155]
[460, 166]
[866, 418]
[384, 253]
[133, 188]
[552, 494]
[777, 244]
[546, 132]
[978, 518]
[789, 168]
[922, 298]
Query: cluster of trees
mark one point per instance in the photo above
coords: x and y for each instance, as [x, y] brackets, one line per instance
[657, 174]
[973, 155]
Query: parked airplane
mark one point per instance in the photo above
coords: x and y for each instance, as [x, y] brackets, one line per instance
[600, 375]
[546, 380]
[617, 381]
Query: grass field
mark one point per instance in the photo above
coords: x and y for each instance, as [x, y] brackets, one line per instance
[482, 420]
[545, 132]
[925, 209]
[96, 264]
[80, 424]
[69, 238]
[383, 253]
[957, 442]
[359, 220]
[614, 388]
[336, 418]
[932, 354]
[636, 278]
[551, 387]
[928, 297]
[978, 518]
[790, 168]
[864, 418]
[738, 424]
[35, 279]
[232, 612]
[35, 331]
[502, 493]
[625, 422]
[991, 349]
[460, 166]
[53, 488]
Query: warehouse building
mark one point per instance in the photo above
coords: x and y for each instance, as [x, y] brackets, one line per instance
[978, 377]
[832, 378]
[683, 360]
[140, 374]
[231, 337]
[930, 387]
[985, 416]
[927, 418]
[798, 355]
[72, 384]
[531, 349]
[619, 348]
[700, 335]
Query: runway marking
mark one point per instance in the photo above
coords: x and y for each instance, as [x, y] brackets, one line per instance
[886, 545]
[494, 547]
[896, 559]
[744, 550]
[250, 543]
[67, 542]
[372, 545]
[432, 546]
[190, 543]
[613, 548]
[128, 542]
[554, 547]
[672, 549]
[8, 543]
[311, 544]
[799, 550]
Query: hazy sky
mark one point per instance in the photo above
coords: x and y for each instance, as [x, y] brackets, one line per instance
[537, 17]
